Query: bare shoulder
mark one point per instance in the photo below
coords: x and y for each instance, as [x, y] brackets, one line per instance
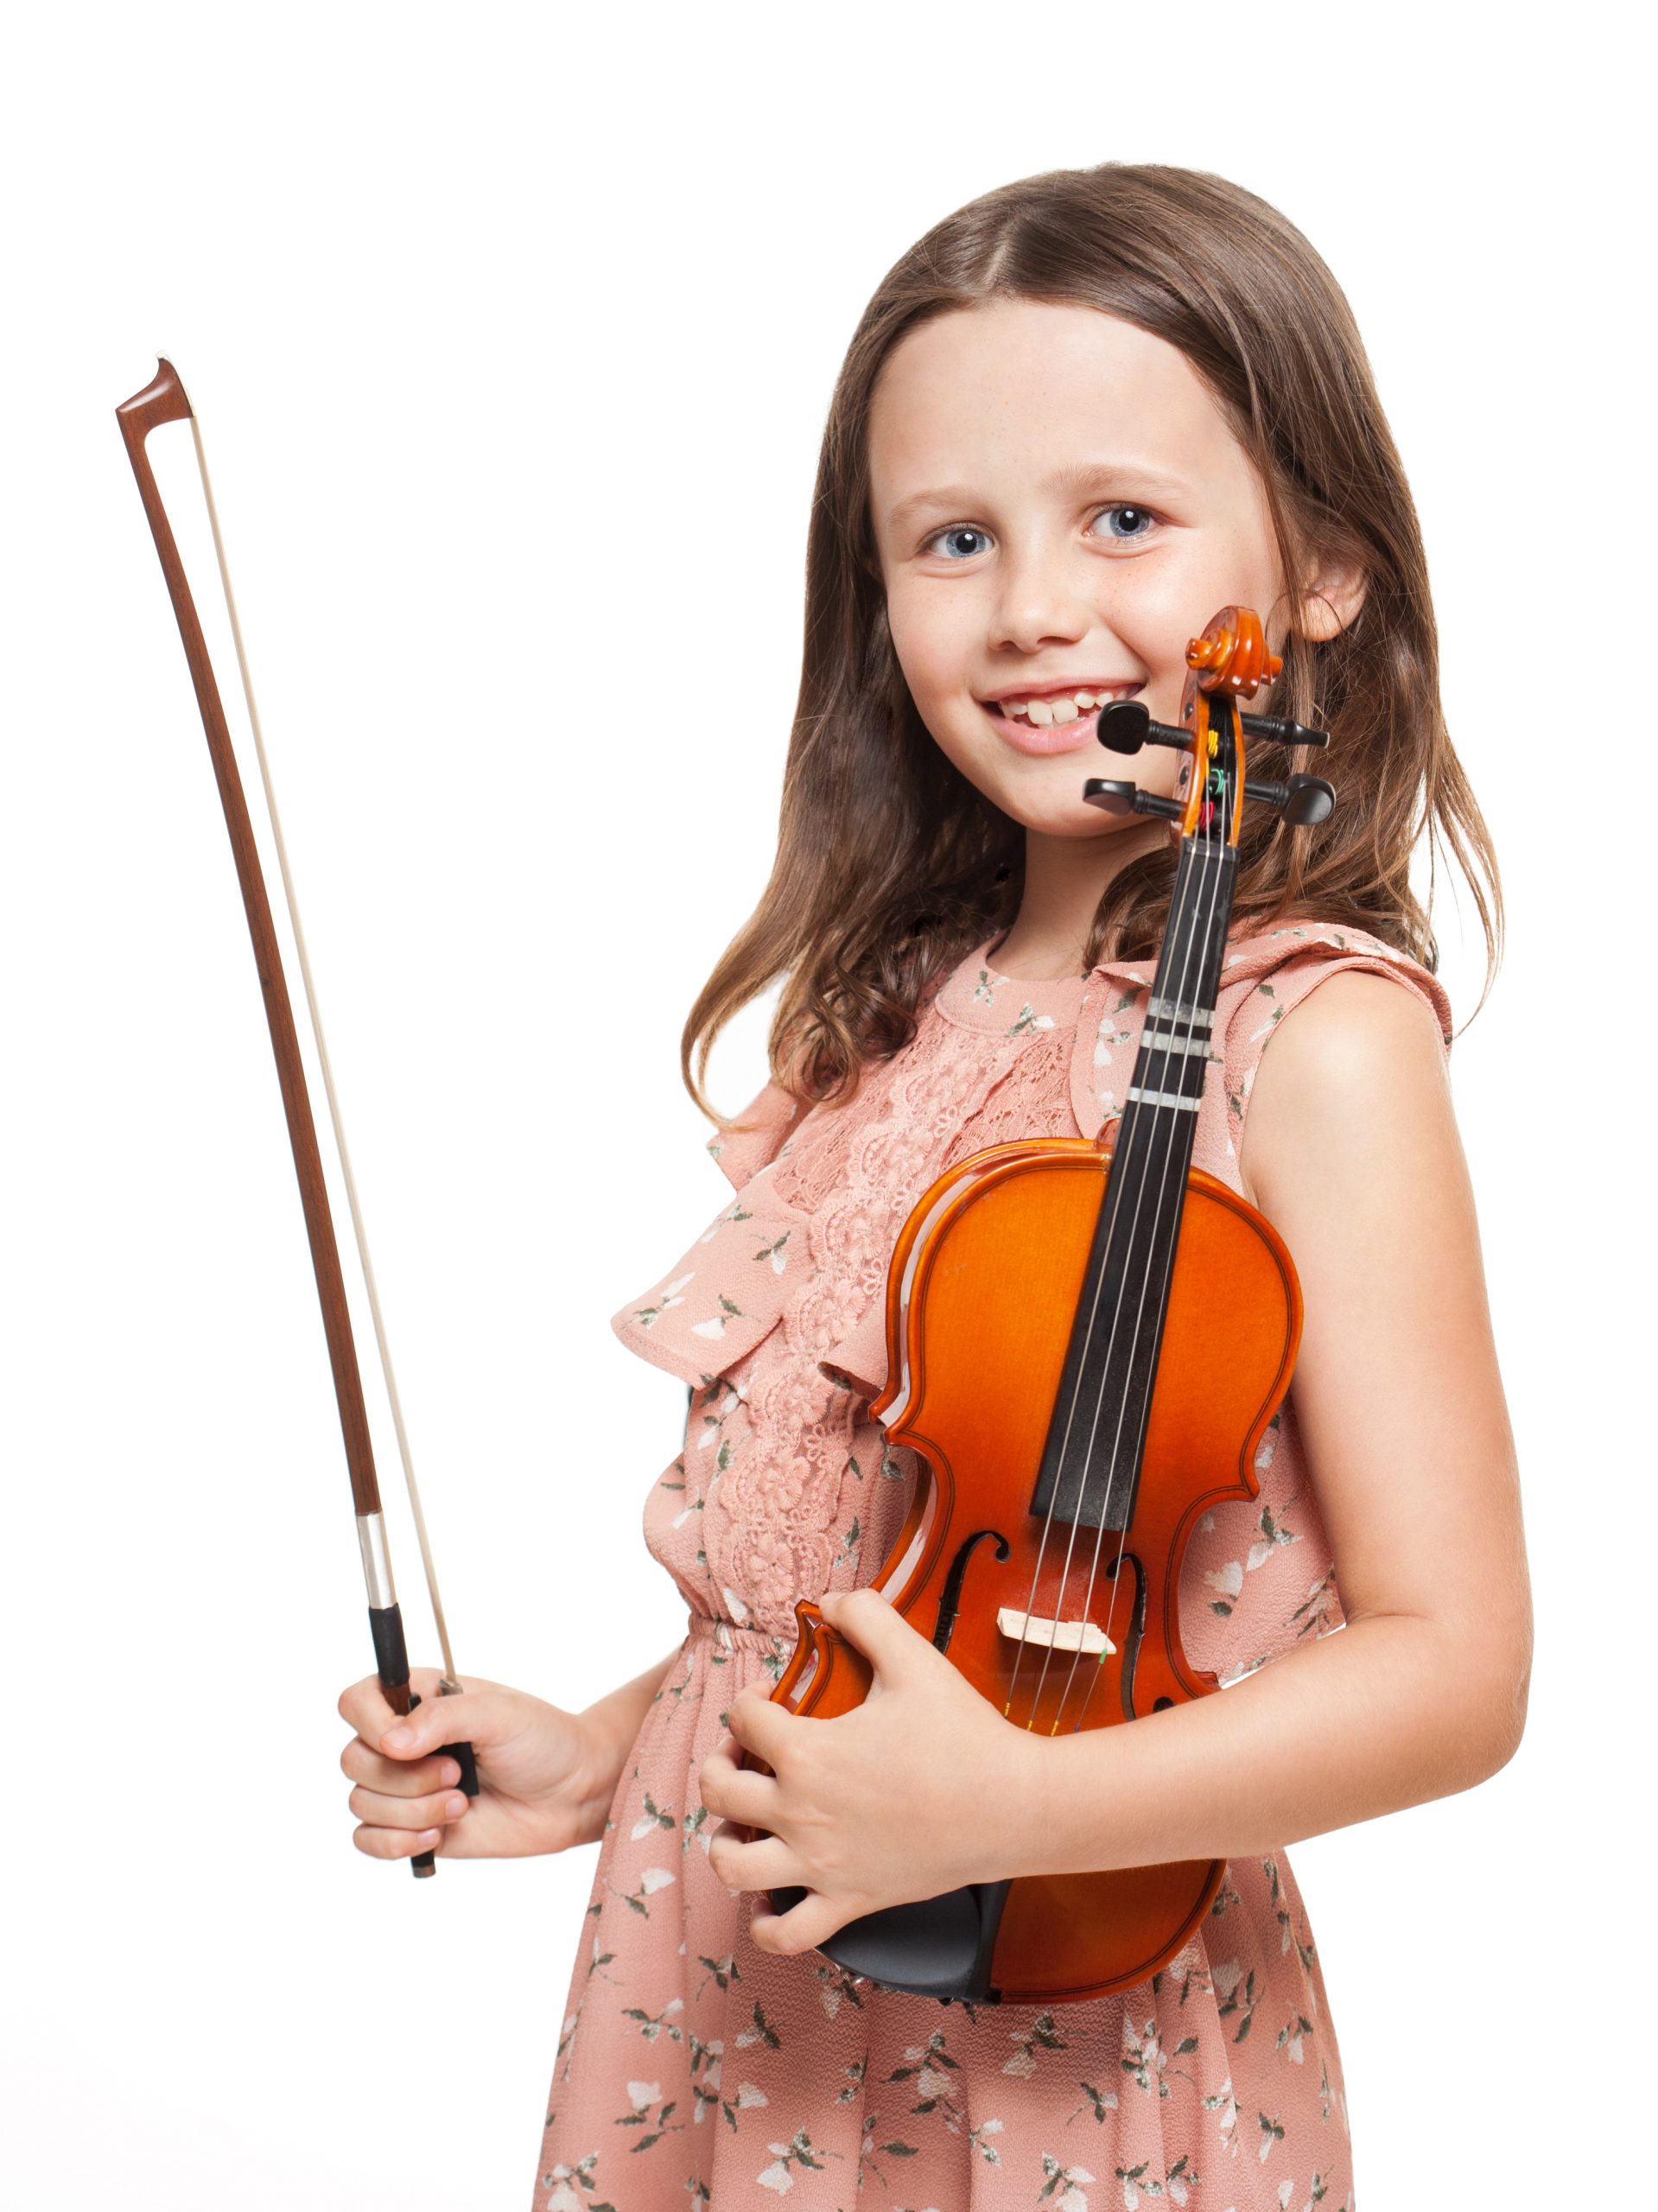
[1353, 1075]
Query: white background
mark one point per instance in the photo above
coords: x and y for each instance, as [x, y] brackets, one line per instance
[511, 334]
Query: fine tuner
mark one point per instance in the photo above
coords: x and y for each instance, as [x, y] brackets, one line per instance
[1126, 724]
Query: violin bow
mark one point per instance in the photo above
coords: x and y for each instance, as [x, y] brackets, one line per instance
[164, 401]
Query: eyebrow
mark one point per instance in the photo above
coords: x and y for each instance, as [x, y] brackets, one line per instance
[1080, 477]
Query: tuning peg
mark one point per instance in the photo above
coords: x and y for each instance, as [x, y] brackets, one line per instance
[1281, 733]
[1302, 801]
[1311, 799]
[1123, 725]
[1126, 724]
[1128, 798]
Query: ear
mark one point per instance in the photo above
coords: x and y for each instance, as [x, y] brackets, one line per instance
[1331, 603]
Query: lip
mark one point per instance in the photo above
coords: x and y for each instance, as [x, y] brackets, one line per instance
[1061, 737]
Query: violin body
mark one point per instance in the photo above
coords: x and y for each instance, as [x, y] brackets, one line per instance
[981, 1298]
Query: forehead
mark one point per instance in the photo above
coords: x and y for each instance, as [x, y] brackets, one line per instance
[1025, 386]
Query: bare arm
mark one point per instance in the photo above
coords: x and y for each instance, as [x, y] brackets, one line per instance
[1350, 1149]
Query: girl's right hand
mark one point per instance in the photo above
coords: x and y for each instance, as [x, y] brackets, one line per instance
[545, 1777]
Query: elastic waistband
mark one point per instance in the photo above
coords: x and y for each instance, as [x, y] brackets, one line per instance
[709, 1627]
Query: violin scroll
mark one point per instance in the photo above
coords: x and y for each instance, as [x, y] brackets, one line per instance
[1229, 661]
[1232, 654]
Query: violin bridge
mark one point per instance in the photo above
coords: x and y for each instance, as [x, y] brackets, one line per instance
[1055, 1635]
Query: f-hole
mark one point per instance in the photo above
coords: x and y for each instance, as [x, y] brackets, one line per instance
[949, 1602]
[1136, 1630]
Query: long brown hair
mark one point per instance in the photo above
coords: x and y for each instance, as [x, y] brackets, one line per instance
[890, 865]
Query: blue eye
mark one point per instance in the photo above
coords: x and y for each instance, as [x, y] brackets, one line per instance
[961, 529]
[1127, 521]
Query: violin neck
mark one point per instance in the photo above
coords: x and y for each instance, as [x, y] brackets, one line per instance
[1166, 1088]
[1090, 1468]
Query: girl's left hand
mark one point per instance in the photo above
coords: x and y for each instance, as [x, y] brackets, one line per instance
[923, 1787]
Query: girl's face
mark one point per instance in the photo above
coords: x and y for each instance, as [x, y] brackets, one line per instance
[1058, 506]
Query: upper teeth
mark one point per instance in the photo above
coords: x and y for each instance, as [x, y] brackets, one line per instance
[1043, 712]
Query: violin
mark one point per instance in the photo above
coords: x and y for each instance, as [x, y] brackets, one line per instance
[1053, 1306]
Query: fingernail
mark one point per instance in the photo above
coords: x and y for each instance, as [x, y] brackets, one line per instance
[448, 1772]
[396, 1739]
[430, 1836]
[456, 1805]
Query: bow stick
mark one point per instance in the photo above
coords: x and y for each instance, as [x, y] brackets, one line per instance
[164, 401]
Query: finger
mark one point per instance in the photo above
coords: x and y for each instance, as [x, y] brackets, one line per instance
[877, 1628]
[766, 1863]
[365, 1705]
[401, 1778]
[737, 1793]
[806, 1925]
[376, 1810]
[395, 1843]
[763, 1728]
[436, 1721]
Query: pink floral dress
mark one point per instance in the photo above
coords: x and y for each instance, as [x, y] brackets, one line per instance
[691, 2066]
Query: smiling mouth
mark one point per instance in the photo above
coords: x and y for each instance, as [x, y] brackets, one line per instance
[1055, 710]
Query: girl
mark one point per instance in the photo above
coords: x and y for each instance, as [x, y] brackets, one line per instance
[1082, 415]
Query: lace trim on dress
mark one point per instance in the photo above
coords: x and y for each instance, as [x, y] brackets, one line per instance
[857, 1186]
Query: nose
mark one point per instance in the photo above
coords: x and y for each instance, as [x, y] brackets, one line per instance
[1043, 600]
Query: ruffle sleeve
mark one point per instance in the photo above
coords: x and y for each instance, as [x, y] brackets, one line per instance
[1265, 976]
[727, 1292]
[742, 1153]
[1281, 966]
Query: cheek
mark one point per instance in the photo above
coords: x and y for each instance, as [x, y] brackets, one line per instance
[932, 635]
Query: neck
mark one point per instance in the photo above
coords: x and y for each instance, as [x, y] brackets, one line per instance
[1065, 878]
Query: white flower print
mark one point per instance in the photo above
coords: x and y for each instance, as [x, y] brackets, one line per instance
[735, 1212]
[1224, 2105]
[796, 2152]
[1041, 2035]
[776, 1253]
[653, 1818]
[1067, 2180]
[669, 1295]
[563, 2196]
[987, 2151]
[716, 1325]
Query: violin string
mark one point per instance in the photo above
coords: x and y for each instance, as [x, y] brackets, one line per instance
[1156, 1128]
[1101, 1276]
[450, 1680]
[1163, 1233]
[1157, 1306]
